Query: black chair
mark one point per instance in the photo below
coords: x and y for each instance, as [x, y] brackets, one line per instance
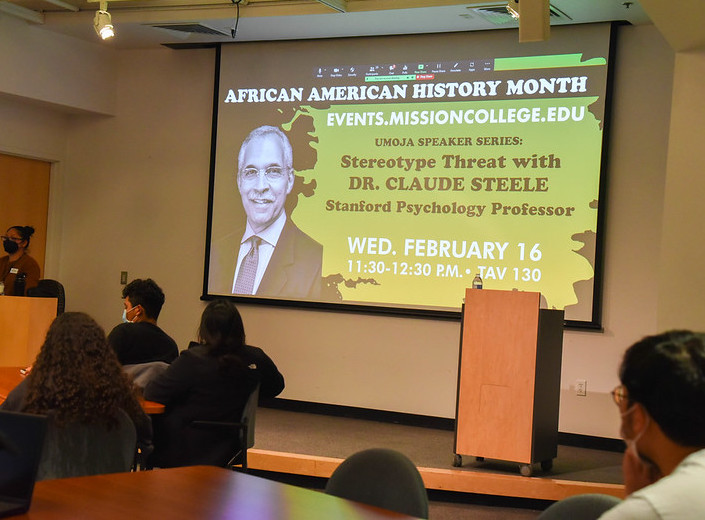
[21, 440]
[50, 289]
[75, 449]
[589, 506]
[383, 478]
[243, 431]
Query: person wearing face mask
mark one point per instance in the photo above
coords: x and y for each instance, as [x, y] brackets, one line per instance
[17, 262]
[138, 339]
[661, 401]
[268, 255]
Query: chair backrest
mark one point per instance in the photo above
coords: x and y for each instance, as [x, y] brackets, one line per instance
[143, 373]
[48, 288]
[21, 440]
[589, 506]
[75, 449]
[242, 433]
[249, 415]
[383, 478]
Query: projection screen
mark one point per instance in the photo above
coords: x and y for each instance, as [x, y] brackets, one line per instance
[415, 163]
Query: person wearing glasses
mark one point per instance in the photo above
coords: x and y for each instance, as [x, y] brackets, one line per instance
[17, 262]
[661, 400]
[271, 256]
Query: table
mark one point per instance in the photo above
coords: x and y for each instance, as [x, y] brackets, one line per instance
[10, 377]
[189, 493]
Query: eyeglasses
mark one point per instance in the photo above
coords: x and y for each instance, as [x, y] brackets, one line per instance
[272, 173]
[619, 394]
[5, 237]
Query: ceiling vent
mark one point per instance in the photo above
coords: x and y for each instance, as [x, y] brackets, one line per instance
[498, 15]
[194, 28]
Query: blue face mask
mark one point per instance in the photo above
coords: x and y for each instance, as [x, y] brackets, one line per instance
[124, 315]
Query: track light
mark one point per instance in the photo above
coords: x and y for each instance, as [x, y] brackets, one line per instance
[103, 23]
[513, 8]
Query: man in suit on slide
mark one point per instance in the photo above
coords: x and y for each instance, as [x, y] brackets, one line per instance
[270, 256]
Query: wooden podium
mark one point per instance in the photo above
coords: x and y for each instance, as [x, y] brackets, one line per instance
[509, 375]
[24, 323]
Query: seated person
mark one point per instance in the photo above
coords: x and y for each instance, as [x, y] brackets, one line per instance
[139, 339]
[77, 379]
[210, 381]
[663, 425]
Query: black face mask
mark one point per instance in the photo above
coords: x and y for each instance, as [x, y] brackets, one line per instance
[10, 246]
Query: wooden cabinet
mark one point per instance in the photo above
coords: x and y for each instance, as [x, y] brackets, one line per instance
[24, 323]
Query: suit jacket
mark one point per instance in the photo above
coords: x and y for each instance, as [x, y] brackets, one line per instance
[294, 270]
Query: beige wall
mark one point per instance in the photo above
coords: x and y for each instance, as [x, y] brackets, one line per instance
[130, 193]
[682, 271]
[48, 68]
[637, 174]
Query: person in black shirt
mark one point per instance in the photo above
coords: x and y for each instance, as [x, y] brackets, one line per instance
[139, 339]
[210, 381]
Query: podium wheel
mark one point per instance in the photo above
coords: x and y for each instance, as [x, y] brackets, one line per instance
[526, 470]
[457, 461]
[547, 465]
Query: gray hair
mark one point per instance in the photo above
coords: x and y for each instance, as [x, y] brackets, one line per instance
[264, 131]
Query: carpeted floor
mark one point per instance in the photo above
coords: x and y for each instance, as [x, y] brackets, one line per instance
[329, 436]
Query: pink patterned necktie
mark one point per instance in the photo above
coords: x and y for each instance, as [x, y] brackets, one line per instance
[248, 269]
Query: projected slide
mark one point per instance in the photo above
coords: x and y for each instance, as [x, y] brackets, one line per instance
[387, 172]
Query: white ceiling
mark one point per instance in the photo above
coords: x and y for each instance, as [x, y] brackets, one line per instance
[299, 19]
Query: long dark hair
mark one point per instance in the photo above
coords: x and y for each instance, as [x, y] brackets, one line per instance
[77, 376]
[223, 333]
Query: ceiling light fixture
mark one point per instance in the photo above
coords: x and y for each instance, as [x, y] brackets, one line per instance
[513, 8]
[102, 22]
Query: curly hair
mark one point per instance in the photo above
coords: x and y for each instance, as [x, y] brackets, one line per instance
[77, 376]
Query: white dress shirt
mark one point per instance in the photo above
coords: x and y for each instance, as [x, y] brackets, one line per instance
[269, 238]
